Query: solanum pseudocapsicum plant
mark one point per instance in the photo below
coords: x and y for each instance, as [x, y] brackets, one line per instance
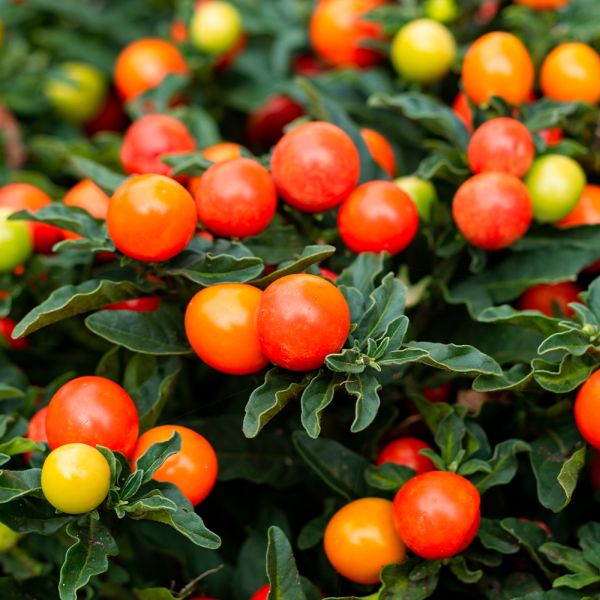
[396, 389]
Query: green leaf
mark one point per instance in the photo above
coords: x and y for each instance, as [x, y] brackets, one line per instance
[364, 387]
[493, 536]
[31, 514]
[150, 381]
[316, 397]
[569, 374]
[503, 465]
[183, 519]
[87, 557]
[71, 300]
[207, 268]
[567, 557]
[157, 332]
[312, 533]
[436, 117]
[349, 360]
[16, 484]
[362, 273]
[546, 113]
[284, 578]
[388, 476]
[557, 458]
[108, 180]
[339, 467]
[460, 569]
[310, 255]
[459, 359]
[19, 445]
[409, 581]
[270, 398]
[157, 454]
[141, 508]
[530, 536]
[449, 435]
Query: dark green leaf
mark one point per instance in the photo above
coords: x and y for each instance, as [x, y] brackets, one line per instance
[284, 578]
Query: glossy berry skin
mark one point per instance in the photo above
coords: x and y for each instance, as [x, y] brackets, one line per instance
[262, 593]
[221, 326]
[301, 319]
[16, 243]
[95, 411]
[87, 195]
[421, 192]
[110, 117]
[215, 27]
[548, 297]
[498, 64]
[236, 198]
[36, 429]
[151, 218]
[222, 151]
[492, 210]
[193, 469]
[378, 216]
[571, 73]
[381, 150]
[266, 123]
[150, 138]
[555, 183]
[406, 451]
[328, 154]
[360, 540]
[440, 393]
[501, 144]
[24, 196]
[76, 91]
[143, 64]
[587, 209]
[148, 304]
[437, 514]
[338, 33]
[7, 326]
[543, 4]
[587, 410]
[75, 478]
[423, 51]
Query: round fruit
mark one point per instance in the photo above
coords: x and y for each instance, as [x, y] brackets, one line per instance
[444, 11]
[552, 136]
[492, 210]
[301, 319]
[340, 35]
[193, 469]
[440, 393]
[36, 429]
[587, 209]
[236, 198]
[571, 73]
[215, 27]
[149, 304]
[95, 411]
[16, 244]
[261, 594]
[555, 183]
[266, 123]
[551, 298]
[423, 51]
[87, 195]
[75, 478]
[220, 322]
[110, 117]
[24, 196]
[8, 538]
[222, 151]
[378, 216]
[328, 274]
[150, 138]
[7, 326]
[76, 91]
[381, 150]
[360, 539]
[542, 4]
[587, 410]
[437, 514]
[501, 144]
[406, 451]
[498, 64]
[421, 192]
[143, 64]
[328, 154]
[151, 218]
